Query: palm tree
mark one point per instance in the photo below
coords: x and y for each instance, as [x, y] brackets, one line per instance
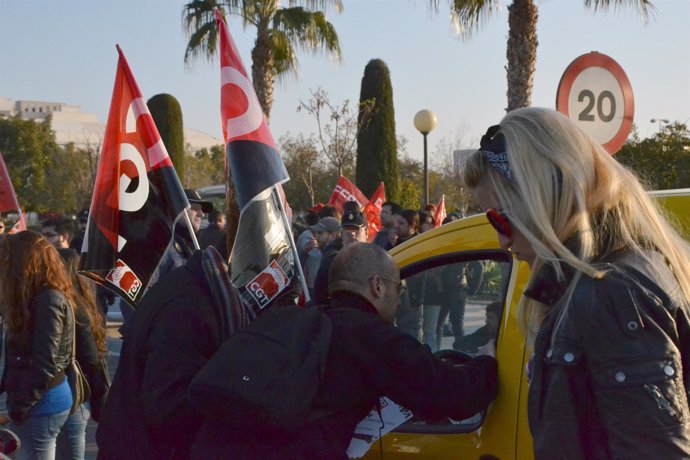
[466, 16]
[279, 31]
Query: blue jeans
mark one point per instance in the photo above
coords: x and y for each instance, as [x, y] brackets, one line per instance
[38, 435]
[71, 442]
[430, 326]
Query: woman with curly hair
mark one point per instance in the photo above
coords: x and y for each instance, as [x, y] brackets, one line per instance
[91, 351]
[35, 302]
[607, 307]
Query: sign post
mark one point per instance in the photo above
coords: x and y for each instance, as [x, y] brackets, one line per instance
[596, 94]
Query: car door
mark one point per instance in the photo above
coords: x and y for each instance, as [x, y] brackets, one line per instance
[459, 273]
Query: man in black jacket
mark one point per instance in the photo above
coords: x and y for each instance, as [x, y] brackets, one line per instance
[174, 333]
[368, 358]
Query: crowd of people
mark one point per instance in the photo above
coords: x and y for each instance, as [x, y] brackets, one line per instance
[606, 315]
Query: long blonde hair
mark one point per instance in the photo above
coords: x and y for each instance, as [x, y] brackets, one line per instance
[565, 184]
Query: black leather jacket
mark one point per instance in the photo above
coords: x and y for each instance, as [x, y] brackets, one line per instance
[36, 362]
[611, 376]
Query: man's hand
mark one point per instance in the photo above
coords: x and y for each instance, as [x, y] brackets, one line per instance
[488, 349]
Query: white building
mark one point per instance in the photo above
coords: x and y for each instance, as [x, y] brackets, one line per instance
[83, 129]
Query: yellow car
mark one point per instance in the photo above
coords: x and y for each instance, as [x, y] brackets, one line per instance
[466, 253]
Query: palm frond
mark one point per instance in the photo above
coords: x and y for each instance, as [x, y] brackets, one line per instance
[645, 8]
[318, 5]
[467, 16]
[200, 26]
[310, 31]
[285, 61]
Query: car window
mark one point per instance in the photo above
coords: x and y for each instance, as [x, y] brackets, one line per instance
[454, 304]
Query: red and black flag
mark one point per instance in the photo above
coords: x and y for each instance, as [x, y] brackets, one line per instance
[8, 199]
[263, 258]
[138, 228]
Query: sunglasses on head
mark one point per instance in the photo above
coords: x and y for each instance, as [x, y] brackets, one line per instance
[499, 221]
[49, 234]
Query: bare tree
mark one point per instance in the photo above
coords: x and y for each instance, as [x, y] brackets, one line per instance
[338, 127]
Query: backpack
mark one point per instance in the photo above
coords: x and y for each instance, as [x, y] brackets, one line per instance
[266, 375]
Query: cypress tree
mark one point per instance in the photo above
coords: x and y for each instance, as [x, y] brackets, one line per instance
[377, 154]
[167, 115]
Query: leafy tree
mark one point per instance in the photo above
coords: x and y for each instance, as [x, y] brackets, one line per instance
[311, 178]
[467, 16]
[279, 30]
[71, 178]
[411, 176]
[663, 160]
[27, 147]
[205, 167]
[338, 127]
[167, 114]
[377, 157]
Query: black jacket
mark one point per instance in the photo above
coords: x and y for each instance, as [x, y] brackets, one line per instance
[611, 381]
[174, 332]
[368, 358]
[95, 369]
[36, 362]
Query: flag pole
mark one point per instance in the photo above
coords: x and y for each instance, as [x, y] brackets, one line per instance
[191, 229]
[293, 246]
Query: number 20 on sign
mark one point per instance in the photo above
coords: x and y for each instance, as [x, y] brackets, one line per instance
[596, 94]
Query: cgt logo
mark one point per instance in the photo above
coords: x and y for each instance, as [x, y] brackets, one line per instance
[124, 278]
[347, 196]
[268, 284]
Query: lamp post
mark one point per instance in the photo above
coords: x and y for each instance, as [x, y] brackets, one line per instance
[425, 122]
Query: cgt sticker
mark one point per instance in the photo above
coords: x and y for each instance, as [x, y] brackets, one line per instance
[268, 284]
[124, 278]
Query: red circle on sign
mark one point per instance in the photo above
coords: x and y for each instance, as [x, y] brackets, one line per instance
[583, 63]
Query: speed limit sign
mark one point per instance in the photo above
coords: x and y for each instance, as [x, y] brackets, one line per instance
[596, 94]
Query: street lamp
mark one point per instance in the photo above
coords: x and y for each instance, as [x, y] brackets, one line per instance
[425, 122]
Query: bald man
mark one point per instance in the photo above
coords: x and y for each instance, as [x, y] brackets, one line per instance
[368, 358]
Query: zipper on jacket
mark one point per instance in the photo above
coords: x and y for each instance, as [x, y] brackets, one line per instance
[661, 401]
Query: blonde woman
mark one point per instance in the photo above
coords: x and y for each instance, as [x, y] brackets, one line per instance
[35, 298]
[606, 310]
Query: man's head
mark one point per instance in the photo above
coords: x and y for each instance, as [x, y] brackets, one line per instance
[406, 223]
[2, 226]
[218, 218]
[388, 209]
[353, 227]
[198, 208]
[367, 270]
[58, 231]
[326, 230]
[493, 317]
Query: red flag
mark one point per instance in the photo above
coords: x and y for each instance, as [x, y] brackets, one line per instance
[132, 237]
[345, 191]
[372, 211]
[440, 213]
[263, 257]
[8, 199]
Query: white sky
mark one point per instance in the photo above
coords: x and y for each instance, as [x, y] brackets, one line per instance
[64, 51]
